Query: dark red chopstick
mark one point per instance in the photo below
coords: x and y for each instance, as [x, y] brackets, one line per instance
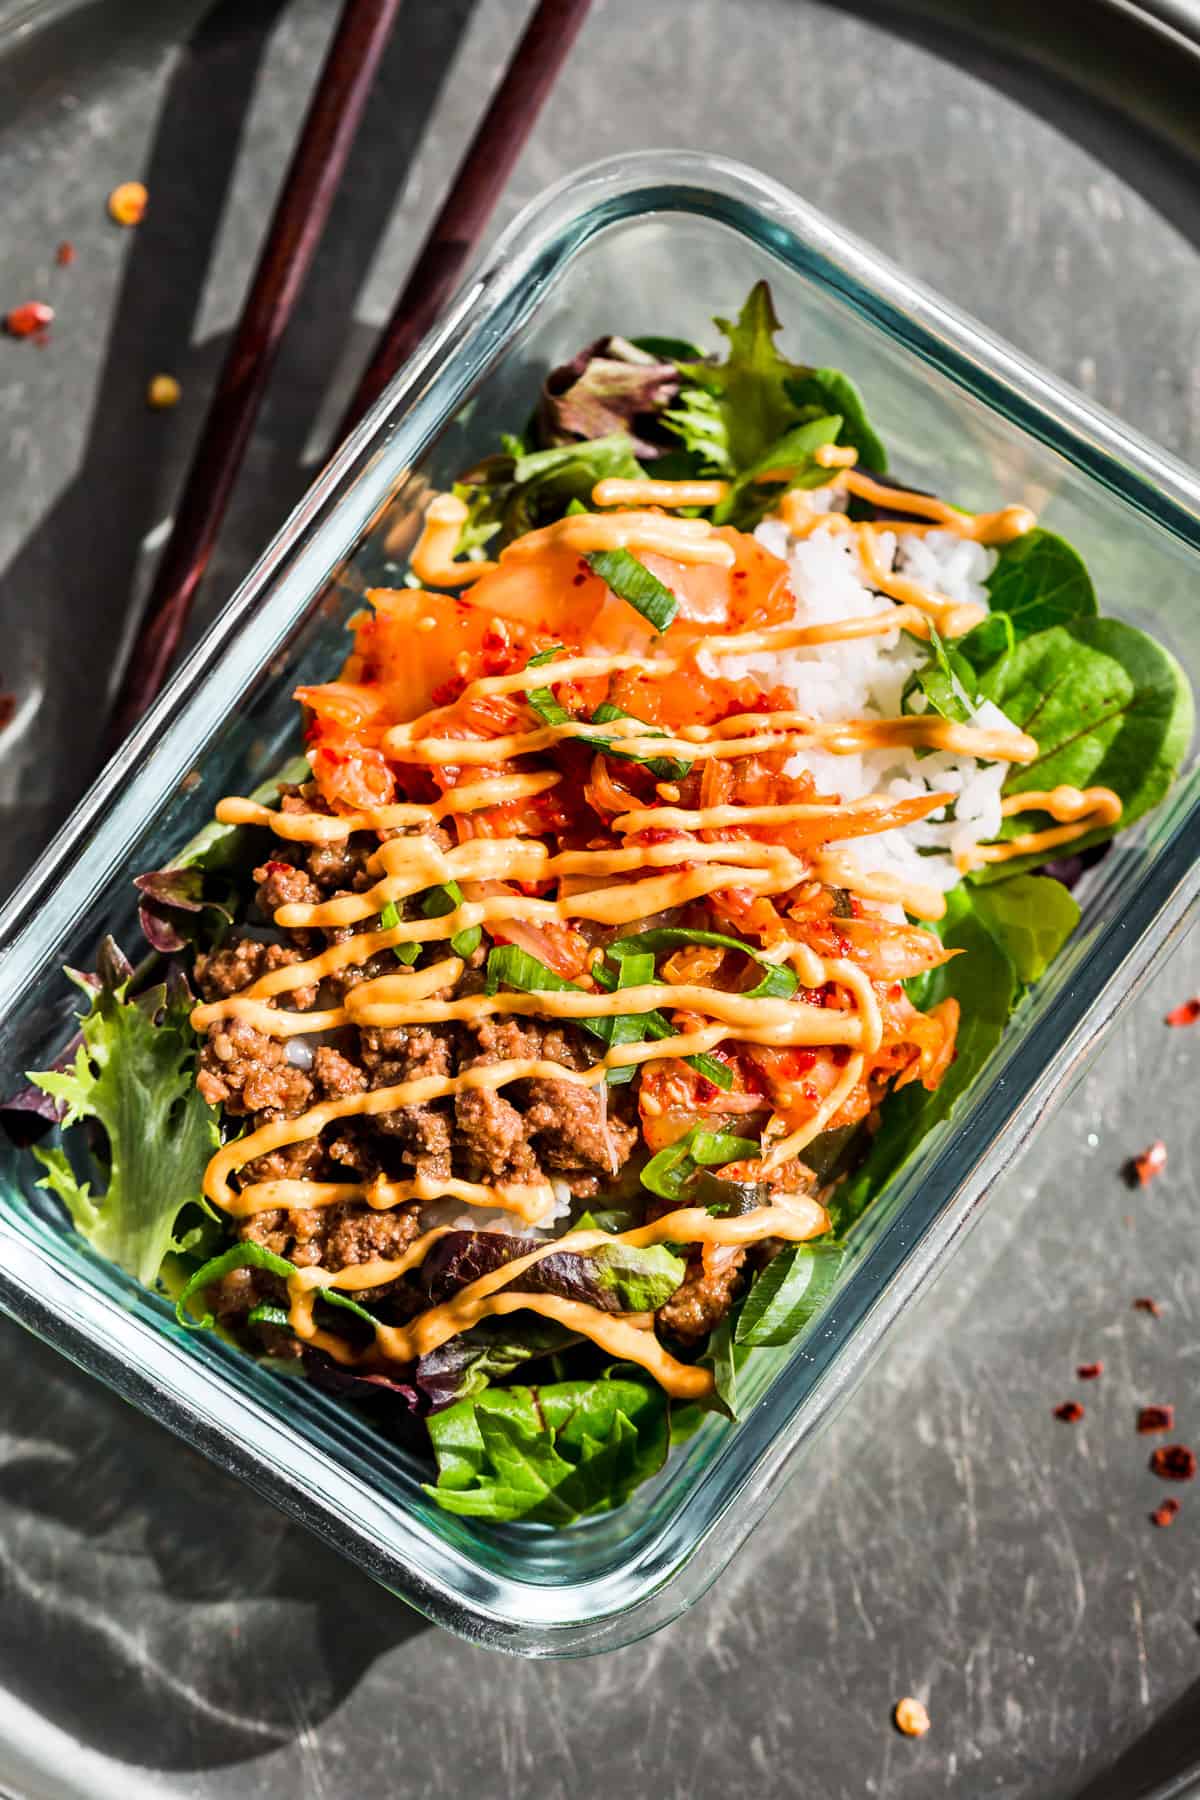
[477, 186]
[295, 231]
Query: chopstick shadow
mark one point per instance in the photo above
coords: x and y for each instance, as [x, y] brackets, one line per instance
[153, 1607]
[86, 561]
[198, 1626]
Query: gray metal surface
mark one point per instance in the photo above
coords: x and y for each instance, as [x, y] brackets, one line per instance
[161, 1632]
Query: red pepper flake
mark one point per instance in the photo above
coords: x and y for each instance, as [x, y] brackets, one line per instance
[1156, 1418]
[1141, 1170]
[64, 256]
[1146, 1305]
[1174, 1462]
[1166, 1514]
[24, 321]
[1070, 1412]
[1185, 1014]
[1090, 1371]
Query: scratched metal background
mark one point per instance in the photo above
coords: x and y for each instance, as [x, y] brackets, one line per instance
[162, 1632]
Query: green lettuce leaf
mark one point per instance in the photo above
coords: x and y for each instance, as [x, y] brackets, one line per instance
[830, 391]
[732, 414]
[750, 386]
[984, 982]
[788, 1292]
[1040, 580]
[551, 1454]
[1031, 917]
[1108, 706]
[135, 1075]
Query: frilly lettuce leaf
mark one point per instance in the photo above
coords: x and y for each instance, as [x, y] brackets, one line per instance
[549, 1454]
[611, 386]
[734, 413]
[134, 1074]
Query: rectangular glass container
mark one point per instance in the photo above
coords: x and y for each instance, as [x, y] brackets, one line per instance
[654, 242]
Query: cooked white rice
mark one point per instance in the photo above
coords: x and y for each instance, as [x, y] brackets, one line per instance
[865, 679]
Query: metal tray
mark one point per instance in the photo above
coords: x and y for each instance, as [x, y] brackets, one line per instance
[163, 1632]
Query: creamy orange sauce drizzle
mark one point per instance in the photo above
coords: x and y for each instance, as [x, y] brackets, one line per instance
[407, 865]
[794, 1218]
[921, 899]
[1080, 809]
[684, 540]
[432, 560]
[330, 828]
[702, 743]
[616, 491]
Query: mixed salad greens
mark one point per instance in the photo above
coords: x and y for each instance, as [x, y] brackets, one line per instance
[1106, 704]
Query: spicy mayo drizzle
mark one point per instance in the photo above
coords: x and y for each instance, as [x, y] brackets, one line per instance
[627, 888]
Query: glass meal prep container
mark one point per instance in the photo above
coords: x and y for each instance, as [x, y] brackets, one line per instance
[653, 242]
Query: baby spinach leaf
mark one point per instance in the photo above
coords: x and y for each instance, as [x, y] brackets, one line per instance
[986, 643]
[552, 1454]
[1040, 580]
[984, 982]
[723, 1357]
[1031, 917]
[834, 392]
[788, 1292]
[1108, 706]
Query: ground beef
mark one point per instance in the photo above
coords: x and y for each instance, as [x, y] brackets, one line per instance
[335, 1237]
[227, 971]
[704, 1296]
[247, 1072]
[424, 1131]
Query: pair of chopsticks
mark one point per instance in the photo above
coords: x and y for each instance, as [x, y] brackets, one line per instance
[301, 212]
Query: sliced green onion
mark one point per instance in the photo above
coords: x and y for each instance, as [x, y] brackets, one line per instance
[543, 656]
[663, 768]
[520, 970]
[778, 983]
[447, 899]
[632, 581]
[667, 1172]
[712, 1148]
[389, 918]
[268, 1315]
[250, 1255]
[712, 1069]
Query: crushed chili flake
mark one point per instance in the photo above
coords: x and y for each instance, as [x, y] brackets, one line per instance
[910, 1717]
[1155, 1418]
[1141, 1170]
[64, 256]
[8, 706]
[1174, 1462]
[1090, 1371]
[1146, 1305]
[1185, 1014]
[1070, 1412]
[24, 321]
[1166, 1514]
[127, 203]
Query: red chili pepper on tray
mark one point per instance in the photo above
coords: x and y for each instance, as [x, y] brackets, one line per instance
[1152, 1161]
[1174, 1462]
[24, 321]
[1185, 1014]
